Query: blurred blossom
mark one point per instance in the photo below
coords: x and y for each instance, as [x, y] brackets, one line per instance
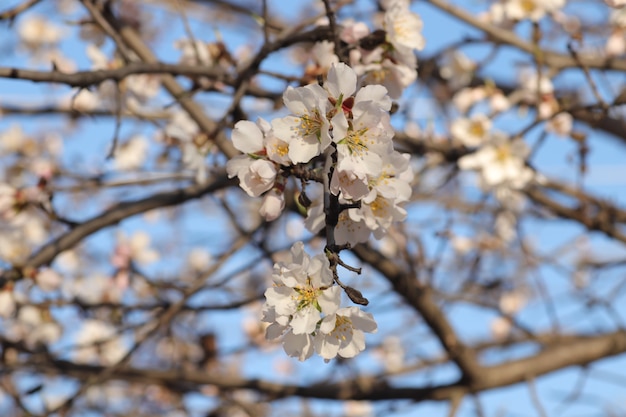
[505, 225]
[512, 302]
[83, 101]
[7, 302]
[136, 248]
[531, 9]
[12, 139]
[500, 162]
[533, 86]
[561, 124]
[48, 279]
[462, 244]
[457, 69]
[199, 259]
[616, 3]
[132, 154]
[43, 167]
[391, 353]
[93, 289]
[500, 327]
[473, 131]
[32, 328]
[68, 260]
[37, 31]
[467, 97]
[358, 409]
[97, 342]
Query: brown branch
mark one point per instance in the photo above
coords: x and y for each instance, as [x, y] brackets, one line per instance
[578, 352]
[89, 78]
[553, 59]
[125, 38]
[420, 296]
[11, 14]
[112, 216]
[593, 217]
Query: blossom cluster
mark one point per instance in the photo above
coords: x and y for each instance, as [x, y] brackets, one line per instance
[303, 307]
[346, 131]
[384, 56]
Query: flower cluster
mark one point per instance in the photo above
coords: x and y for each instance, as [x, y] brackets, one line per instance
[303, 307]
[344, 131]
[384, 56]
[337, 118]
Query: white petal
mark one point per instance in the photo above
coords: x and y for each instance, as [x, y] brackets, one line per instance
[247, 137]
[341, 81]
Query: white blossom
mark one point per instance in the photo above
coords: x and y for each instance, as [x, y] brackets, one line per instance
[306, 131]
[471, 131]
[404, 28]
[98, 342]
[531, 9]
[342, 333]
[500, 162]
[132, 154]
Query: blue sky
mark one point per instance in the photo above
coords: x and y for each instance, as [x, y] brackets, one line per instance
[557, 158]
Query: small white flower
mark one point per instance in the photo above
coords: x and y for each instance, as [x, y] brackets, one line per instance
[457, 69]
[97, 342]
[304, 290]
[12, 139]
[531, 9]
[256, 176]
[404, 28]
[307, 130]
[132, 154]
[342, 334]
[48, 279]
[473, 131]
[500, 162]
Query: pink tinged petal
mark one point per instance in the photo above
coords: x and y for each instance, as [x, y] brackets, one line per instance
[265, 170]
[259, 177]
[477, 159]
[247, 137]
[273, 205]
[237, 165]
[341, 81]
[305, 320]
[298, 346]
